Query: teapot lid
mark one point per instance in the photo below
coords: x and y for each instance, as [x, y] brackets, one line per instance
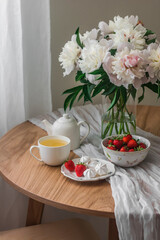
[66, 119]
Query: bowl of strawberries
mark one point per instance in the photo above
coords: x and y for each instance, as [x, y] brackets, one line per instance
[125, 150]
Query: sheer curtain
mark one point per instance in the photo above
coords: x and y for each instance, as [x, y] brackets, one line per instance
[24, 82]
[24, 61]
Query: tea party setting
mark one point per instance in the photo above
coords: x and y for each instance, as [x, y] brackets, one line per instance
[101, 159]
[133, 155]
[116, 60]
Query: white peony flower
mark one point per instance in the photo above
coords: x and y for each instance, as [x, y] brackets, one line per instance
[90, 35]
[126, 67]
[104, 28]
[92, 56]
[124, 30]
[134, 36]
[119, 23]
[154, 61]
[69, 55]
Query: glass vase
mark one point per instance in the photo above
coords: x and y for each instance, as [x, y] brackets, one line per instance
[118, 120]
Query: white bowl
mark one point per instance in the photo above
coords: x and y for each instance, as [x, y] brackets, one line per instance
[126, 159]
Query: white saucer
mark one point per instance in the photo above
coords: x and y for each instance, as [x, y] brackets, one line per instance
[73, 176]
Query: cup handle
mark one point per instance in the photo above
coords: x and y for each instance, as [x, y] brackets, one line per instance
[88, 130]
[34, 146]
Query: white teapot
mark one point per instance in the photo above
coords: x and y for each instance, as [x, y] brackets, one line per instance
[69, 127]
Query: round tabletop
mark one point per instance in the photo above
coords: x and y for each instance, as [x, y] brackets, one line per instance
[46, 184]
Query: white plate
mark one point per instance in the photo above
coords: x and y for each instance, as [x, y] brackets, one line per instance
[73, 176]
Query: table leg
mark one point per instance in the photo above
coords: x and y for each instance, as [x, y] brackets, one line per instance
[35, 211]
[113, 232]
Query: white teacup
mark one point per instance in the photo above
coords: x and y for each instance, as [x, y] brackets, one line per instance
[52, 155]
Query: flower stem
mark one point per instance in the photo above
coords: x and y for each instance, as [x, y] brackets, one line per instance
[106, 130]
[111, 129]
[127, 127]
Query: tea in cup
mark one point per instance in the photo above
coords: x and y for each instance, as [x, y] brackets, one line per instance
[54, 150]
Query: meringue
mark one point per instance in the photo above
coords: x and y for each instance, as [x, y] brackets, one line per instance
[85, 159]
[92, 164]
[89, 173]
[101, 169]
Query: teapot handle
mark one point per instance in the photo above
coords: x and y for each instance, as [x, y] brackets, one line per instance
[88, 130]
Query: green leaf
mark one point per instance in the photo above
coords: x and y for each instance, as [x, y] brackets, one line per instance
[67, 101]
[98, 71]
[113, 51]
[151, 86]
[106, 37]
[148, 32]
[123, 93]
[104, 77]
[142, 96]
[149, 41]
[72, 90]
[79, 76]
[73, 99]
[86, 91]
[99, 78]
[110, 90]
[84, 81]
[98, 88]
[80, 96]
[115, 99]
[91, 87]
[78, 38]
[147, 75]
[158, 88]
[133, 92]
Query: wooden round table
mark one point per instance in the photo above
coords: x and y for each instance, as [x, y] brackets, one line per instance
[46, 185]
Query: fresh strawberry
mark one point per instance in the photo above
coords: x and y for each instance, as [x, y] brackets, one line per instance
[131, 150]
[132, 144]
[142, 145]
[111, 147]
[110, 142]
[79, 169]
[139, 148]
[118, 143]
[127, 138]
[70, 165]
[124, 149]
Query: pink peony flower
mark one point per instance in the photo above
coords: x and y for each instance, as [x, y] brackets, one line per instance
[131, 60]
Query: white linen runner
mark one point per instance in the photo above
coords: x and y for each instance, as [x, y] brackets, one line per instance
[136, 190]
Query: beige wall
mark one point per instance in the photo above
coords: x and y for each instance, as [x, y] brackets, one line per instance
[67, 15]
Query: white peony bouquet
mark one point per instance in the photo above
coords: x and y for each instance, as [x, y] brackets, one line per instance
[115, 59]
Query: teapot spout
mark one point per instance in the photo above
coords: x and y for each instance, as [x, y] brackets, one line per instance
[48, 127]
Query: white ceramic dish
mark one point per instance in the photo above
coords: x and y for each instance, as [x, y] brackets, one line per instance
[126, 159]
[73, 176]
